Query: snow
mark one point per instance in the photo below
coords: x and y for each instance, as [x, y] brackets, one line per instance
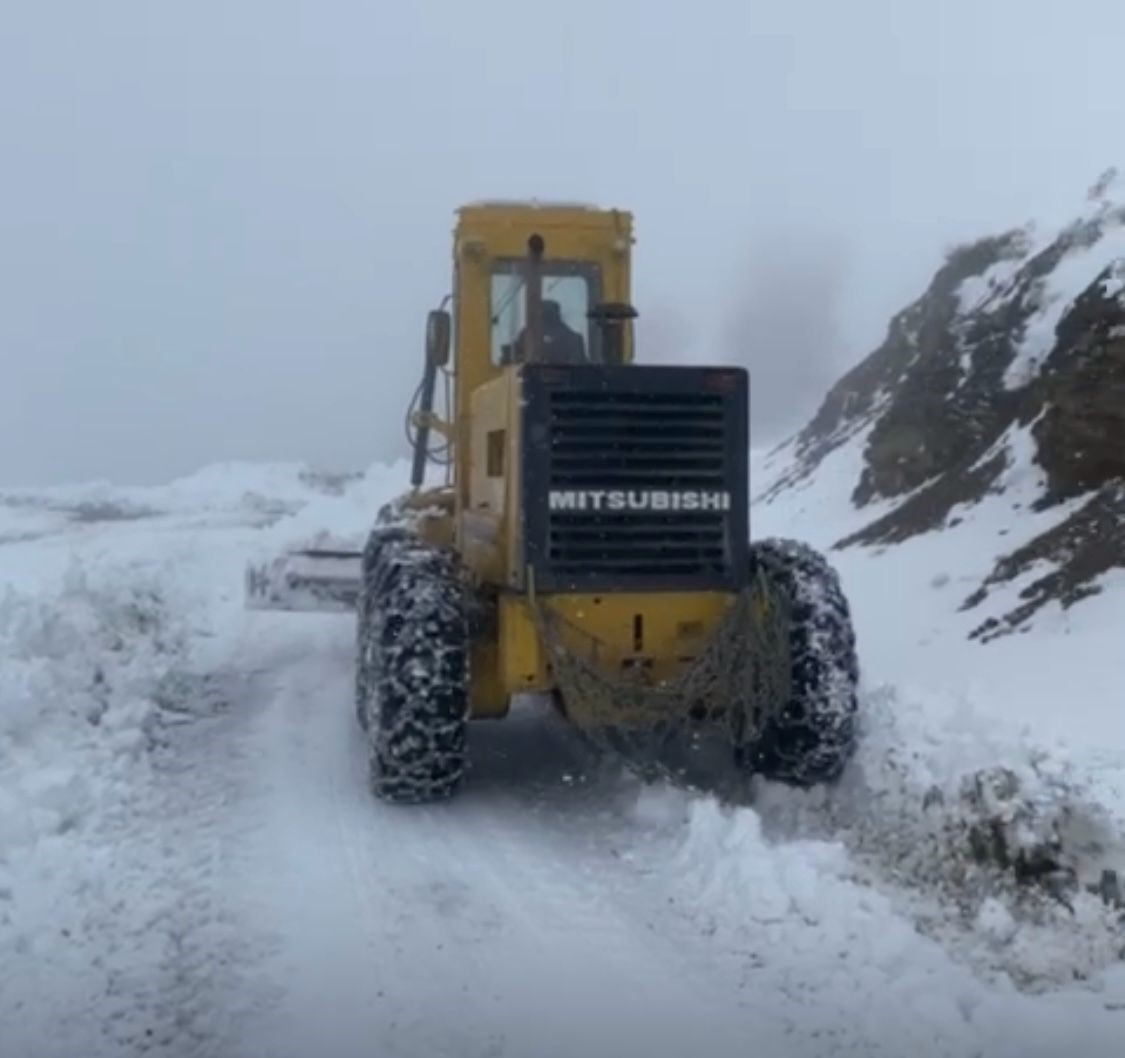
[1114, 284]
[1073, 275]
[1104, 214]
[191, 864]
[979, 292]
[907, 599]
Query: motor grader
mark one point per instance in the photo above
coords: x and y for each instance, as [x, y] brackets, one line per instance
[588, 540]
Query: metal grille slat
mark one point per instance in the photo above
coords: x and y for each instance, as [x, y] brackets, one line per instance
[629, 440]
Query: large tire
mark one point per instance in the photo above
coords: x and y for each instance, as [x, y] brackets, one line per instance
[412, 668]
[366, 613]
[811, 738]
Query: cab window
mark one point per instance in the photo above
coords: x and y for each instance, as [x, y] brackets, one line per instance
[569, 291]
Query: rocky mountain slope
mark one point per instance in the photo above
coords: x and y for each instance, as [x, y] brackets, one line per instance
[1004, 379]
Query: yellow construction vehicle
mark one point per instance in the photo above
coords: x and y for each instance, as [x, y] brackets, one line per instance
[590, 540]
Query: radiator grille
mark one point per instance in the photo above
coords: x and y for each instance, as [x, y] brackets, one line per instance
[637, 441]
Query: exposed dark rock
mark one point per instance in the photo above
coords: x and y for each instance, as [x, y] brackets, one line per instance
[900, 386]
[943, 413]
[1081, 435]
[1080, 549]
[929, 508]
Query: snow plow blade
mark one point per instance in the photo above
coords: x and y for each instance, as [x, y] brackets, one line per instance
[307, 581]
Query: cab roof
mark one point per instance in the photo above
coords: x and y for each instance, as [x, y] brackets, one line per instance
[533, 203]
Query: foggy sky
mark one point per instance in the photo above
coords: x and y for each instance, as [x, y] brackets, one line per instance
[221, 224]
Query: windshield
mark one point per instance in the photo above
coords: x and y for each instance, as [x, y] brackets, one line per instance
[569, 291]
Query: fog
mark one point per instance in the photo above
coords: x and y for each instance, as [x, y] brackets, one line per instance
[221, 224]
[787, 328]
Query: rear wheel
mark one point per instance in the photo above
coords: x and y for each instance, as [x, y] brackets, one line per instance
[811, 736]
[412, 668]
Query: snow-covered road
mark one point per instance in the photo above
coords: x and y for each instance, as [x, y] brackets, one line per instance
[202, 871]
[557, 908]
[512, 921]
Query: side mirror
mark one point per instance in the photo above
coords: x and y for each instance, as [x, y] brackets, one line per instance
[439, 327]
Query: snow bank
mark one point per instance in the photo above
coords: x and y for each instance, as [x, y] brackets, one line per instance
[343, 519]
[77, 679]
[996, 848]
[121, 622]
[218, 486]
[84, 679]
[802, 917]
[265, 491]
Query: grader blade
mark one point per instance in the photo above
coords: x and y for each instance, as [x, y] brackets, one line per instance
[312, 580]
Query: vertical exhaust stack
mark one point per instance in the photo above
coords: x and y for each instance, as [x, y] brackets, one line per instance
[533, 285]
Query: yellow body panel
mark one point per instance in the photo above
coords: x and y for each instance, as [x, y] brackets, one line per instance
[490, 516]
[490, 695]
[662, 630]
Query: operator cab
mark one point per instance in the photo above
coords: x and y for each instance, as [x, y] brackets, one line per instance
[551, 310]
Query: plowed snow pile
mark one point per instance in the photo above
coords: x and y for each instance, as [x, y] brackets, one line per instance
[190, 863]
[117, 610]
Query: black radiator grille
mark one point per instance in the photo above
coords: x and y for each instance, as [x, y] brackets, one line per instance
[638, 442]
[637, 544]
[628, 440]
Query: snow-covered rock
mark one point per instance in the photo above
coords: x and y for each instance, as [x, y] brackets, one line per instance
[1005, 378]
